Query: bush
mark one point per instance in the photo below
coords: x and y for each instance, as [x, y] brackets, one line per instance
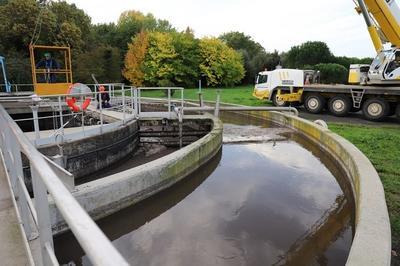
[332, 73]
[308, 53]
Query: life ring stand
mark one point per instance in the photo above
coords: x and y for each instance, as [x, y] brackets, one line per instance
[82, 91]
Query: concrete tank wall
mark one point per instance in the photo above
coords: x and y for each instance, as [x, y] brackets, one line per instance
[91, 154]
[372, 240]
[105, 196]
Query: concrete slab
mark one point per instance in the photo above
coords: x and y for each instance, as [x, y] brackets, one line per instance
[12, 246]
[110, 113]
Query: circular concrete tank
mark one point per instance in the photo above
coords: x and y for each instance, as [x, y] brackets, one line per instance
[371, 244]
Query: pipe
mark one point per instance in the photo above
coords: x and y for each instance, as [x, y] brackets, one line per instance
[242, 108]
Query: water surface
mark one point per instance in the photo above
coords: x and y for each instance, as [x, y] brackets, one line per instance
[272, 201]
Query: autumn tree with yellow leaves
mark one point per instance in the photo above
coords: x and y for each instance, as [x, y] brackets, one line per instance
[179, 59]
[134, 58]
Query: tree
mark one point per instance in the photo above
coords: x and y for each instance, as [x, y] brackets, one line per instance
[134, 59]
[163, 59]
[347, 61]
[220, 64]
[18, 68]
[132, 22]
[254, 55]
[112, 64]
[74, 26]
[309, 53]
[102, 61]
[18, 19]
[57, 23]
[186, 63]
[158, 66]
[105, 34]
[332, 73]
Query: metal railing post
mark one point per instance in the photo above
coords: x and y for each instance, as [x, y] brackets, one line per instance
[112, 100]
[169, 103]
[61, 115]
[42, 208]
[83, 116]
[100, 103]
[182, 100]
[201, 101]
[216, 111]
[135, 91]
[16, 173]
[132, 100]
[123, 104]
[35, 109]
[13, 161]
[8, 157]
[140, 102]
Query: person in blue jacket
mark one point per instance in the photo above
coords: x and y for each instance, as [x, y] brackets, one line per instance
[48, 64]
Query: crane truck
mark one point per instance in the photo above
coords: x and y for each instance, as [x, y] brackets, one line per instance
[374, 89]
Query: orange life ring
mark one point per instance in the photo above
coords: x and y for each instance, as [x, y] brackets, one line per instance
[78, 88]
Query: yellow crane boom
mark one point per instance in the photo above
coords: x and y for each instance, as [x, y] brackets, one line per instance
[382, 19]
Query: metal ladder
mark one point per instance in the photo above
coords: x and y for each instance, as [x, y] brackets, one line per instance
[357, 96]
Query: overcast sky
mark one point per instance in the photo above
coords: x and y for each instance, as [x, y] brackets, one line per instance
[276, 24]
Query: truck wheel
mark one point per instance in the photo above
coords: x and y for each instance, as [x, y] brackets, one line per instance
[375, 109]
[314, 103]
[276, 102]
[339, 105]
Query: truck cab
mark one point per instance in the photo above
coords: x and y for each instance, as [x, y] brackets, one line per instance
[385, 67]
[269, 83]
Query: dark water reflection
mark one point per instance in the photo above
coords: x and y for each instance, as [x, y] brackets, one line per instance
[254, 204]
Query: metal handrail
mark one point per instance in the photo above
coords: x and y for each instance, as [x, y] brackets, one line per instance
[242, 108]
[93, 241]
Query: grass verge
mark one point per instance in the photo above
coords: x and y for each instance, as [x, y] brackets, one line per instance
[381, 144]
[238, 95]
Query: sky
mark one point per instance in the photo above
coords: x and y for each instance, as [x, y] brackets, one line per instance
[275, 24]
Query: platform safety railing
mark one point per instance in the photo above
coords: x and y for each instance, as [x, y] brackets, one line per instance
[63, 117]
[18, 88]
[35, 214]
[127, 100]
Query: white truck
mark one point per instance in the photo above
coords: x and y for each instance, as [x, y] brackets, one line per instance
[269, 83]
[292, 86]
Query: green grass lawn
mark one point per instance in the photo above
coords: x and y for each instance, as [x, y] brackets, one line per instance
[381, 144]
[237, 95]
